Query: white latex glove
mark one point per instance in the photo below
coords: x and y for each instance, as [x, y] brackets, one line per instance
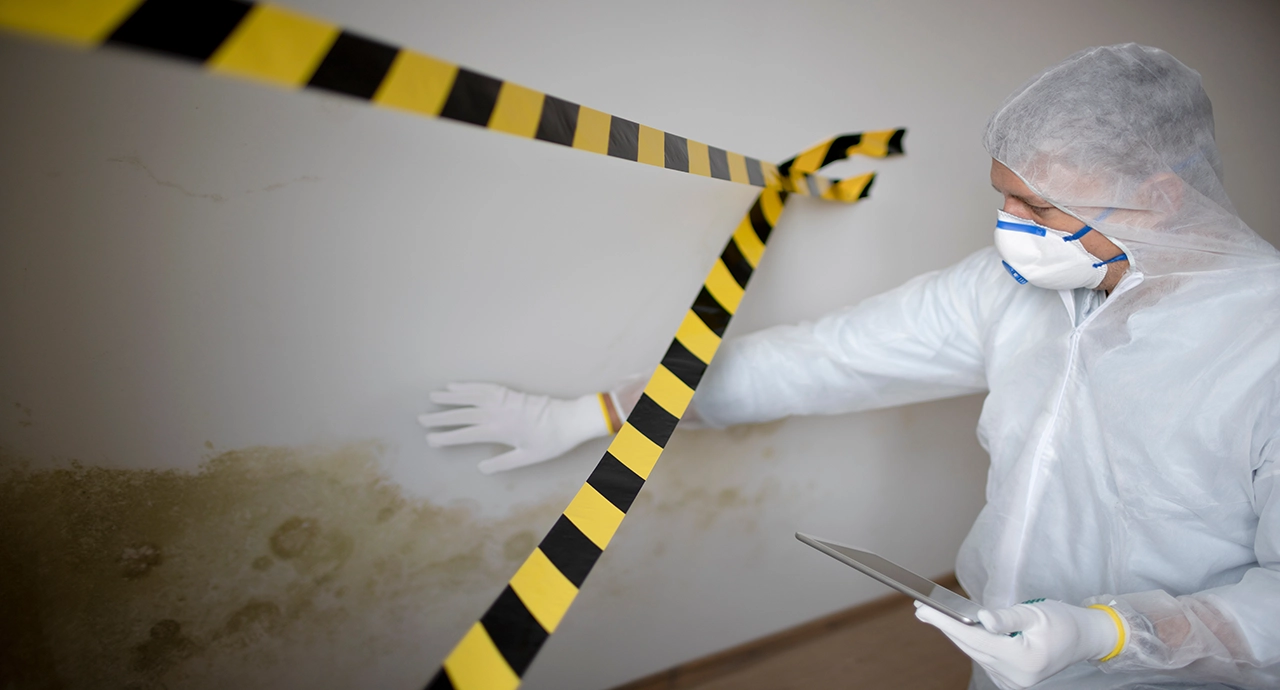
[537, 427]
[1052, 636]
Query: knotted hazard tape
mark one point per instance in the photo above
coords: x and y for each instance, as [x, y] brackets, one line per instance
[271, 44]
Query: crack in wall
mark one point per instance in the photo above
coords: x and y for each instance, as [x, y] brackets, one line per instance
[137, 164]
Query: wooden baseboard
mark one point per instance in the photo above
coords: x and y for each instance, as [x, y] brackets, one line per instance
[692, 674]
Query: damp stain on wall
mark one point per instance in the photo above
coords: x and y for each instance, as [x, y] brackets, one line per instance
[270, 567]
[714, 477]
[23, 415]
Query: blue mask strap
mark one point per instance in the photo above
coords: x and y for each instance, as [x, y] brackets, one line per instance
[1016, 276]
[1083, 231]
[1185, 163]
[1122, 257]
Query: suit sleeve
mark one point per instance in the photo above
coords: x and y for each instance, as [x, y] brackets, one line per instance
[920, 341]
[1228, 634]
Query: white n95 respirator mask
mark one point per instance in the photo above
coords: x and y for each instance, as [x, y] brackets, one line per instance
[1047, 258]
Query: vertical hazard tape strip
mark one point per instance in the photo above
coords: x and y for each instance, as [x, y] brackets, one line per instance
[276, 46]
[279, 47]
[498, 649]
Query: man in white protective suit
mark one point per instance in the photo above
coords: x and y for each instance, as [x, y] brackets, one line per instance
[1126, 329]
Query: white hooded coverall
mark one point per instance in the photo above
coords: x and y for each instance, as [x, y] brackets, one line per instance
[1134, 439]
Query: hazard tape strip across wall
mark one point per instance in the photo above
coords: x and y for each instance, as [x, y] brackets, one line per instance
[498, 649]
[284, 48]
[278, 46]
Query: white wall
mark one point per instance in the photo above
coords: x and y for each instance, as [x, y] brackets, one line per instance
[197, 269]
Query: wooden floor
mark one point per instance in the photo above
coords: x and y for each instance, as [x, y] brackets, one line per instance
[879, 644]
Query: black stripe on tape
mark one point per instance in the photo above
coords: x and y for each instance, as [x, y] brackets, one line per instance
[616, 482]
[754, 173]
[736, 263]
[895, 143]
[650, 419]
[675, 152]
[709, 310]
[570, 551]
[784, 168]
[839, 148]
[684, 364]
[472, 98]
[514, 631]
[866, 191]
[354, 66]
[191, 29]
[624, 138]
[558, 122]
[719, 163]
[440, 681]
[758, 222]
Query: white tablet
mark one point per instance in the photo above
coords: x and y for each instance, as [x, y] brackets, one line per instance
[921, 589]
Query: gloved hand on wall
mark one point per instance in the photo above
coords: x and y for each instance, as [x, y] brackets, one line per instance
[537, 427]
[1050, 636]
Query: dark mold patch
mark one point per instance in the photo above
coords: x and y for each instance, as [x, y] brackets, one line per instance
[271, 567]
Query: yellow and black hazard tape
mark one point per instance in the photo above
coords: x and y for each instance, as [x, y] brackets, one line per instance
[281, 47]
[498, 649]
[278, 46]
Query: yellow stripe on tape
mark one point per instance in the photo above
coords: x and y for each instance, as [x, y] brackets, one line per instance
[517, 110]
[417, 83]
[476, 664]
[593, 131]
[875, 144]
[723, 287]
[669, 391]
[749, 244]
[634, 450]
[699, 159]
[650, 148]
[696, 337]
[771, 204]
[80, 22]
[594, 515]
[811, 160]
[543, 589]
[850, 189]
[275, 45]
[738, 168]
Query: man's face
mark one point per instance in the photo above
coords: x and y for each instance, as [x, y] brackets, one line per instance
[1020, 201]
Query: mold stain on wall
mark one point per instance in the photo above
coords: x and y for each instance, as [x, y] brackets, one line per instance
[270, 567]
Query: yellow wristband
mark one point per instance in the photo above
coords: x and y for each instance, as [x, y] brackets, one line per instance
[1120, 636]
[611, 417]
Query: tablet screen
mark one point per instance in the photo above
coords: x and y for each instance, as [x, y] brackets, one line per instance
[901, 579]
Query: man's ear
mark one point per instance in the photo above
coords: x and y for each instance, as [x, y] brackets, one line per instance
[1162, 193]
